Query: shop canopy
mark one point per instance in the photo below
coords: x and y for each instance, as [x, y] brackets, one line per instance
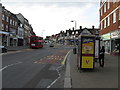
[1, 32]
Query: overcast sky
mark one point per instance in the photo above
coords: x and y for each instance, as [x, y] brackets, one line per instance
[56, 15]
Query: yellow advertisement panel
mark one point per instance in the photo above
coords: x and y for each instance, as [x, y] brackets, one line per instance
[87, 62]
[88, 48]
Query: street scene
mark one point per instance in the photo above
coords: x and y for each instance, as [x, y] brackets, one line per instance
[59, 45]
[33, 68]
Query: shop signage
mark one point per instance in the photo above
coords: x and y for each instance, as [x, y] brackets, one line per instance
[115, 34]
[106, 36]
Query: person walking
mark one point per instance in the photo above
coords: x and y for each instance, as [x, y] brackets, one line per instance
[101, 58]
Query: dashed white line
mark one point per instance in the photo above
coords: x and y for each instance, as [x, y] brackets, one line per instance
[3, 68]
[9, 66]
[59, 75]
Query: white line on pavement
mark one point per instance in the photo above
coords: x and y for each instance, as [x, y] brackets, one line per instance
[9, 66]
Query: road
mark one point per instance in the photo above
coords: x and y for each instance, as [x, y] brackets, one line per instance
[34, 68]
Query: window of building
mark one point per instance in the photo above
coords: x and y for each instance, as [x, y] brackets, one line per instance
[21, 25]
[119, 13]
[105, 23]
[2, 26]
[7, 19]
[114, 17]
[15, 23]
[114, 1]
[108, 21]
[104, 8]
[101, 25]
[6, 27]
[101, 12]
[11, 21]
[3, 17]
[108, 4]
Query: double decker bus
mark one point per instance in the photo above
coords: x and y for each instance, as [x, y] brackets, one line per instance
[36, 41]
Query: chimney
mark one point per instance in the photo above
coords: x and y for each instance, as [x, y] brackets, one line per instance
[80, 27]
[73, 28]
[92, 27]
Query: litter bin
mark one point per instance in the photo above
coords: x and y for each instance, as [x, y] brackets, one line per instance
[74, 50]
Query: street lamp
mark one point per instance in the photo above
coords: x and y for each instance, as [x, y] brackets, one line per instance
[42, 33]
[74, 49]
[75, 23]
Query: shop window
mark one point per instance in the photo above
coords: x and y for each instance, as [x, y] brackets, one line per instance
[114, 17]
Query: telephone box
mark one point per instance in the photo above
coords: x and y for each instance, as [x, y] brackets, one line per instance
[86, 52]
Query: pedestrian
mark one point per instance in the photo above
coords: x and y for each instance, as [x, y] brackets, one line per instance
[101, 58]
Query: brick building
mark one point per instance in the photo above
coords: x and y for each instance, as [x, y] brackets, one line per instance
[5, 26]
[110, 24]
[15, 30]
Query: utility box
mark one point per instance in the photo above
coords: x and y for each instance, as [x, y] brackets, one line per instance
[86, 52]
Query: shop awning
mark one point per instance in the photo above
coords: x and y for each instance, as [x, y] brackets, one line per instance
[1, 32]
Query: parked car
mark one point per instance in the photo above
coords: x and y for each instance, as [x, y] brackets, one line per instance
[3, 48]
[51, 45]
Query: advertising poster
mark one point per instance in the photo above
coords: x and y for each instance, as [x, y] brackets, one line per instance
[87, 62]
[87, 52]
[88, 46]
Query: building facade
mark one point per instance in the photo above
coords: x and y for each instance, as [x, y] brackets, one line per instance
[70, 37]
[5, 26]
[110, 24]
[15, 30]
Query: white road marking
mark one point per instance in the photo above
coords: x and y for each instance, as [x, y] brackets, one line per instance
[9, 66]
[3, 68]
[59, 75]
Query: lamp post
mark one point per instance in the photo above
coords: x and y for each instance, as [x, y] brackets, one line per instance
[74, 49]
[42, 33]
[75, 23]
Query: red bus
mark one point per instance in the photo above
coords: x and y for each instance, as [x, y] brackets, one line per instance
[36, 41]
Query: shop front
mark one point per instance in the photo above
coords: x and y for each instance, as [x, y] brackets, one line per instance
[111, 41]
[115, 37]
[106, 42]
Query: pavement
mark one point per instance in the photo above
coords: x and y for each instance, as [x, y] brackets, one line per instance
[106, 77]
[16, 48]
